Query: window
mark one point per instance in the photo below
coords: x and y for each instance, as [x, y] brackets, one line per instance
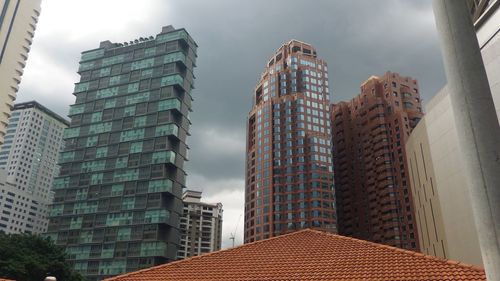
[114, 80]
[129, 111]
[101, 152]
[145, 63]
[156, 216]
[163, 157]
[106, 93]
[134, 87]
[160, 185]
[407, 105]
[136, 147]
[169, 104]
[163, 130]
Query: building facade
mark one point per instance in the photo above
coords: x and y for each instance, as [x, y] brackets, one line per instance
[439, 186]
[454, 235]
[18, 20]
[29, 156]
[289, 173]
[19, 212]
[479, 7]
[118, 195]
[488, 37]
[201, 226]
[374, 201]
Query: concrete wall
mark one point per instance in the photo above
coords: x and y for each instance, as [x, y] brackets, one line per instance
[430, 224]
[488, 36]
[437, 141]
[17, 28]
[445, 203]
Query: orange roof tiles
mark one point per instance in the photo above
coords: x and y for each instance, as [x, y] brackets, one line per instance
[309, 255]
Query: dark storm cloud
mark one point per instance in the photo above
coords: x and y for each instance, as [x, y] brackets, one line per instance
[356, 38]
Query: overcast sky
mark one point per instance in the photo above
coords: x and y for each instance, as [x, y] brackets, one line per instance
[356, 38]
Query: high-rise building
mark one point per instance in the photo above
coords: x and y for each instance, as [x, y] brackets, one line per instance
[118, 196]
[289, 173]
[374, 201]
[18, 20]
[201, 226]
[29, 157]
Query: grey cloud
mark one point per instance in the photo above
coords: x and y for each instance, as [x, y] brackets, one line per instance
[356, 38]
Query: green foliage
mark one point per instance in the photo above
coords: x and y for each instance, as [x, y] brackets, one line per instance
[26, 257]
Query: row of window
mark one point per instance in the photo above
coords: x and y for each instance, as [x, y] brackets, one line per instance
[144, 248]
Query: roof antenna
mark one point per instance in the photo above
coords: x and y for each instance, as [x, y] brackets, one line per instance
[233, 235]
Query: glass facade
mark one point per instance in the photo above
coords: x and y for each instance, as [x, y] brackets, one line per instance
[289, 170]
[118, 195]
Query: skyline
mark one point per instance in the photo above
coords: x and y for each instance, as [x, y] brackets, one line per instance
[57, 48]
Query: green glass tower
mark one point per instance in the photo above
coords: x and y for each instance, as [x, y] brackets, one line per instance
[118, 197]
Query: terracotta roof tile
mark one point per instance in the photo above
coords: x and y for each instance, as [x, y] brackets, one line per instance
[309, 255]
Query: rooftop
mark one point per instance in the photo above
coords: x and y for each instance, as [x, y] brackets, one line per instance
[35, 104]
[309, 255]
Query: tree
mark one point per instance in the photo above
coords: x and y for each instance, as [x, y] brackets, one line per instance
[25, 257]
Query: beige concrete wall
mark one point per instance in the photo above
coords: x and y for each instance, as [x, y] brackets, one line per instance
[437, 135]
[15, 53]
[425, 198]
[444, 185]
[488, 37]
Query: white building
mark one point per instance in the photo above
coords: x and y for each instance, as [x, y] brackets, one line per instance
[18, 211]
[201, 226]
[18, 20]
[29, 157]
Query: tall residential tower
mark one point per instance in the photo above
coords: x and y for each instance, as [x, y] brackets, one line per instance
[374, 201]
[289, 173]
[118, 196]
[18, 20]
[201, 226]
[29, 157]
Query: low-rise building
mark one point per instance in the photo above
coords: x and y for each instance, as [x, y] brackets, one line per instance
[310, 255]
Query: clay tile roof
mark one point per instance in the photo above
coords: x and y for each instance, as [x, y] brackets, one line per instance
[309, 255]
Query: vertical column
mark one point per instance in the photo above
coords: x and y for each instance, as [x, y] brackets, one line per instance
[477, 124]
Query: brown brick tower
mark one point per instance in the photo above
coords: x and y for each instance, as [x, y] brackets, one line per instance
[289, 173]
[374, 201]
